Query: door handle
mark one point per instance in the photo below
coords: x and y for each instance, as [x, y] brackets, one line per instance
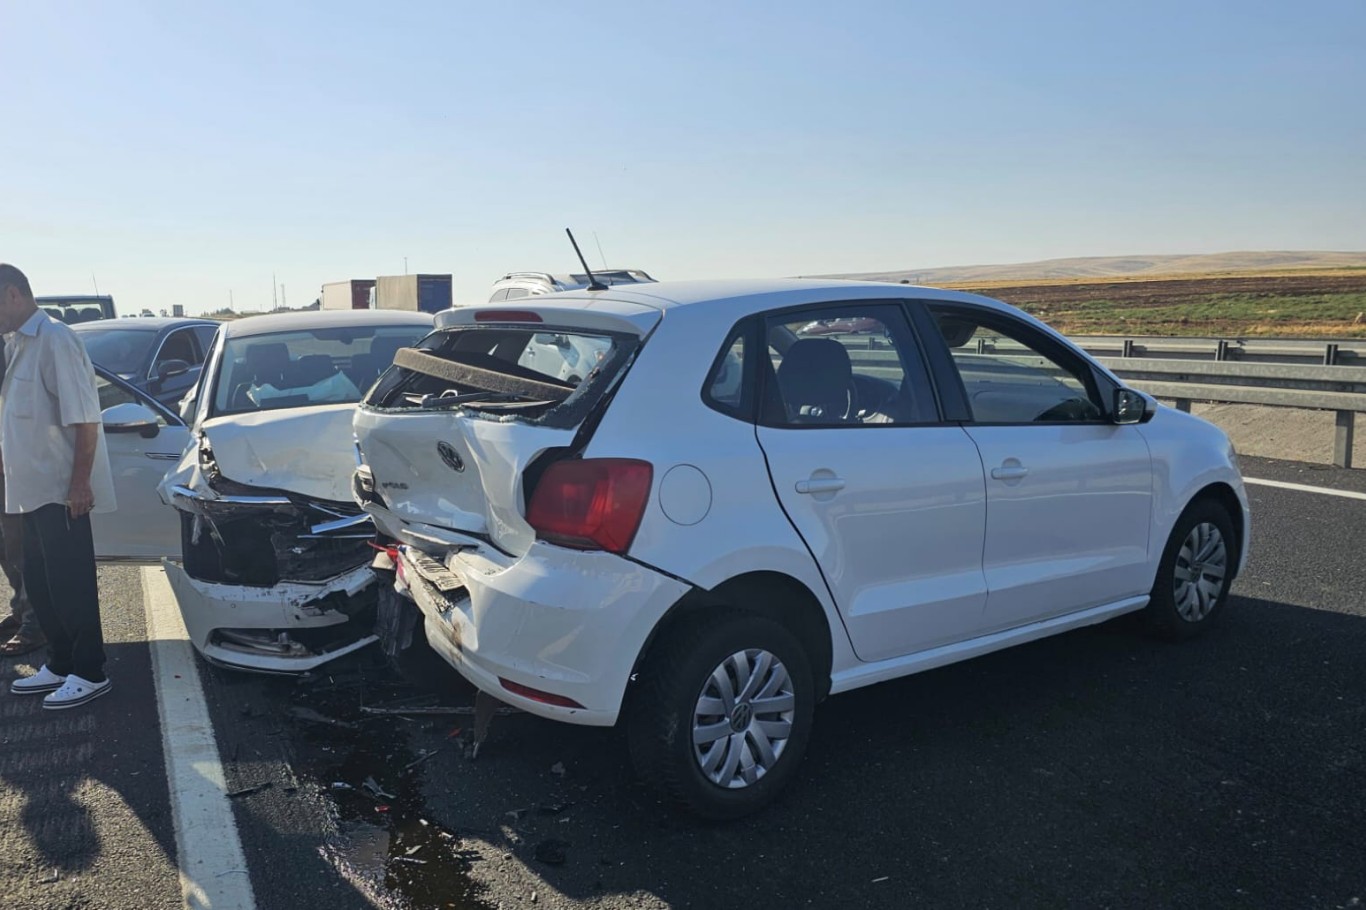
[1014, 471]
[163, 456]
[821, 485]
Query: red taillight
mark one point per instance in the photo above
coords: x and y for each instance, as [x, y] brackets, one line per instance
[593, 504]
[506, 316]
[547, 698]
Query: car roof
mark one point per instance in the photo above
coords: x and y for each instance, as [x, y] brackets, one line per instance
[321, 319]
[743, 297]
[150, 323]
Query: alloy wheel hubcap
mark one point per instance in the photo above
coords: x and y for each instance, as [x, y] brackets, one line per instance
[1201, 568]
[743, 718]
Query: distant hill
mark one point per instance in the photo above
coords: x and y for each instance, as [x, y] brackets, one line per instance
[1120, 267]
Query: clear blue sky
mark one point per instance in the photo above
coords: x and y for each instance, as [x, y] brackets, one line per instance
[177, 151]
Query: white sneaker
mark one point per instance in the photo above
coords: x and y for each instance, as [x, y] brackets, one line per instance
[76, 691]
[40, 683]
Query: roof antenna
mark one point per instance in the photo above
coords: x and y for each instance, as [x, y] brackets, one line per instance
[593, 283]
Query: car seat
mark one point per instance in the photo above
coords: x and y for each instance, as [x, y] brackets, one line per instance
[816, 380]
[263, 362]
[307, 370]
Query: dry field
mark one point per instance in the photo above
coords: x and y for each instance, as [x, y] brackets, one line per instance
[1330, 304]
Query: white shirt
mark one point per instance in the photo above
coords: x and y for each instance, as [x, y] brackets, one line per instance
[49, 387]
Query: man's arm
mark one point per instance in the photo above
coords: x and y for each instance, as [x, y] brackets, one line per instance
[80, 499]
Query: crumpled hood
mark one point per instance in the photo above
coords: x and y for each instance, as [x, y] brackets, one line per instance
[310, 451]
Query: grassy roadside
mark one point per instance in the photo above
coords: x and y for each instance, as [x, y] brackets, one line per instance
[1322, 304]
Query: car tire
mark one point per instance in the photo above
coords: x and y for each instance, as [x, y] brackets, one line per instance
[1195, 573]
[681, 693]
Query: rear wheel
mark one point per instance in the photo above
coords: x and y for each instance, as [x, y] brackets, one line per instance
[723, 714]
[1196, 570]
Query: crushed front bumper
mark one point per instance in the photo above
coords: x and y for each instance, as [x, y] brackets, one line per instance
[264, 537]
[292, 627]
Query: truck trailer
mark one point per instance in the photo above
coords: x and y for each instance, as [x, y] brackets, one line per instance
[347, 295]
[422, 293]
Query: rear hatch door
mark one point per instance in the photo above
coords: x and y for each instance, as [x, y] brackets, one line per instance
[447, 437]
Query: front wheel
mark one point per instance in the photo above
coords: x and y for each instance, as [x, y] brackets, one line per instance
[723, 714]
[1196, 570]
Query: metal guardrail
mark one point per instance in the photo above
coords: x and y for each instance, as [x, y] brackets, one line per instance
[1283, 374]
[1346, 351]
[1339, 389]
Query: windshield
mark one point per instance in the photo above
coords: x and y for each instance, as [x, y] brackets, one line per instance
[121, 351]
[306, 367]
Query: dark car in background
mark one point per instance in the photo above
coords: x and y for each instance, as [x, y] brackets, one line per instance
[160, 356]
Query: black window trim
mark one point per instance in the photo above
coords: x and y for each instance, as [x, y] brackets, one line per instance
[943, 363]
[747, 410]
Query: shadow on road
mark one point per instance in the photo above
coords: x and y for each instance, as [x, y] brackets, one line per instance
[1099, 768]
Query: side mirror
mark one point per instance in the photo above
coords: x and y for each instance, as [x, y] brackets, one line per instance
[1129, 406]
[169, 369]
[131, 417]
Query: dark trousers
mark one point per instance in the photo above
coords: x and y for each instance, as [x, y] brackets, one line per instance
[12, 561]
[59, 578]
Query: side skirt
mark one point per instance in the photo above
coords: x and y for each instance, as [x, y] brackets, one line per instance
[883, 670]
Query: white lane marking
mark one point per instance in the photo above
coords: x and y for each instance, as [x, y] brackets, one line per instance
[213, 870]
[1304, 488]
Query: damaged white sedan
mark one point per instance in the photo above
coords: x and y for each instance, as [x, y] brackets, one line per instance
[275, 570]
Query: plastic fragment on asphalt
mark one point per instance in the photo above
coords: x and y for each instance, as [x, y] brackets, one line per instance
[883, 879]
[426, 754]
[557, 769]
[373, 788]
[248, 791]
[300, 712]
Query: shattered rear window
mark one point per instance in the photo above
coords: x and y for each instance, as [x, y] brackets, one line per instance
[506, 372]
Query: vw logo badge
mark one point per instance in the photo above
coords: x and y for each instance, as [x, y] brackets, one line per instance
[450, 456]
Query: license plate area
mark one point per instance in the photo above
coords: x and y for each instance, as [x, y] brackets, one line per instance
[434, 572]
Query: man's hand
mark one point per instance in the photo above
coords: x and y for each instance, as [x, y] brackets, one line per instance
[80, 499]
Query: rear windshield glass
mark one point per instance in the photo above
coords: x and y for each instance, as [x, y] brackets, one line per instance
[505, 371]
[306, 367]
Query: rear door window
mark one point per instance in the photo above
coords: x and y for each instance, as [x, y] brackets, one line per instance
[850, 365]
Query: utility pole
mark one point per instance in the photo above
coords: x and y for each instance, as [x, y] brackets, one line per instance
[230, 303]
[274, 293]
[283, 302]
[405, 265]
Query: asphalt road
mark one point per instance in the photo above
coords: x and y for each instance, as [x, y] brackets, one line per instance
[1097, 769]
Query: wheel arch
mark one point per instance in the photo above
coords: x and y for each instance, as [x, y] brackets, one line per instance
[1223, 494]
[770, 594]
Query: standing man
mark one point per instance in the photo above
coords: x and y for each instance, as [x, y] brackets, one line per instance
[57, 471]
[21, 624]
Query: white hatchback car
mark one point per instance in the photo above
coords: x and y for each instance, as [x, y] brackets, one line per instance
[734, 516]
